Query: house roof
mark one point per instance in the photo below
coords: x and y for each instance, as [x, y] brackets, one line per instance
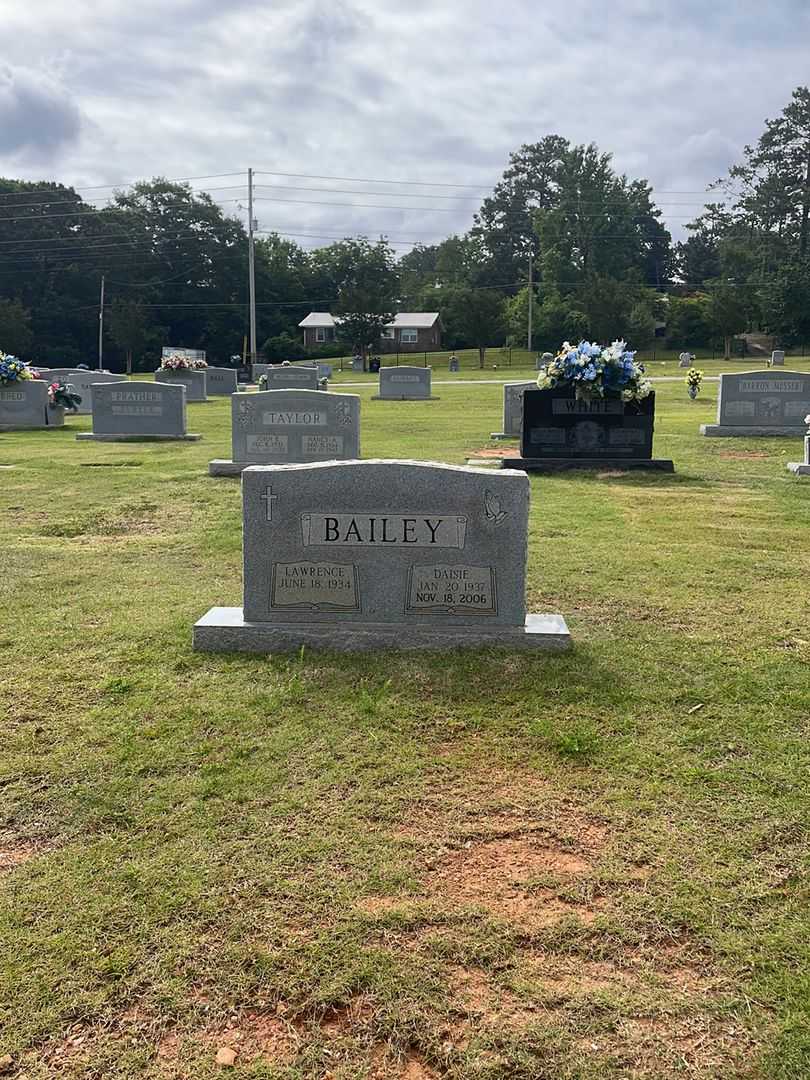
[407, 320]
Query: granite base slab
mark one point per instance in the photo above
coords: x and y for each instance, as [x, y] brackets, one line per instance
[223, 629]
[798, 468]
[88, 436]
[223, 467]
[376, 397]
[726, 431]
[562, 464]
[502, 435]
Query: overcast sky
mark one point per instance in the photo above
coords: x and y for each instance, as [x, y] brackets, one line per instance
[103, 92]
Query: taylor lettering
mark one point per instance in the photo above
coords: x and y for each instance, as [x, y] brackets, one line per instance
[305, 418]
[380, 529]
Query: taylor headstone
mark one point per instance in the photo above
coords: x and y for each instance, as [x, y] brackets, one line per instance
[368, 555]
[195, 382]
[404, 384]
[24, 404]
[513, 409]
[139, 411]
[220, 381]
[275, 427]
[758, 403]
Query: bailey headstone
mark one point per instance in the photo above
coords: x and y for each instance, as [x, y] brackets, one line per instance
[513, 409]
[195, 382]
[220, 381]
[759, 403]
[24, 404]
[369, 555]
[139, 411]
[404, 384]
[282, 426]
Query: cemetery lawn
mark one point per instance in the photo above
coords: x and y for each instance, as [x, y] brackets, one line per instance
[471, 865]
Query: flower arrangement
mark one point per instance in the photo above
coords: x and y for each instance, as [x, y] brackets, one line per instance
[596, 371]
[13, 370]
[693, 380]
[176, 362]
[61, 396]
[262, 382]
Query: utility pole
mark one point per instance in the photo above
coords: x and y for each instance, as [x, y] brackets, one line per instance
[531, 298]
[101, 326]
[251, 270]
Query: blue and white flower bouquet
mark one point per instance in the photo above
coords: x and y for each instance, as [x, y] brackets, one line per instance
[13, 370]
[596, 371]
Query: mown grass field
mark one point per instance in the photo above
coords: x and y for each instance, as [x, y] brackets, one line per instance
[471, 865]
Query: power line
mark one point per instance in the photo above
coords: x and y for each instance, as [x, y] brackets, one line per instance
[121, 186]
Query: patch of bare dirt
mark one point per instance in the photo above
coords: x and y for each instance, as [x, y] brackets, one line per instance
[495, 452]
[252, 1034]
[14, 853]
[348, 1019]
[742, 455]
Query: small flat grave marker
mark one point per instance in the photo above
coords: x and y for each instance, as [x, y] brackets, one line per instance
[758, 403]
[139, 412]
[277, 427]
[363, 555]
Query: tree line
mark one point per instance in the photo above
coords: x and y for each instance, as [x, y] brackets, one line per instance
[561, 226]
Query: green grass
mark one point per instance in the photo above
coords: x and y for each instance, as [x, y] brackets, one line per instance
[472, 865]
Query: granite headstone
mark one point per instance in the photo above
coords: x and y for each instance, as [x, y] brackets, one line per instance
[758, 403]
[82, 380]
[404, 384]
[291, 378]
[24, 404]
[195, 382]
[513, 409]
[778, 358]
[542, 360]
[276, 427]
[359, 555]
[139, 411]
[220, 381]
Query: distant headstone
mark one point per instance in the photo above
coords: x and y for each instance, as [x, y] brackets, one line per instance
[357, 363]
[324, 371]
[82, 379]
[541, 361]
[685, 360]
[24, 404]
[513, 409]
[139, 411]
[220, 381]
[283, 426]
[189, 354]
[757, 403]
[404, 384]
[453, 364]
[291, 378]
[368, 555]
[778, 358]
[195, 382]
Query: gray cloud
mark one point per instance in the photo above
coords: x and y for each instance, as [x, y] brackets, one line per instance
[37, 116]
[427, 90]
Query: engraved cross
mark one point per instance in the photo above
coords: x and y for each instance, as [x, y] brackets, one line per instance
[268, 499]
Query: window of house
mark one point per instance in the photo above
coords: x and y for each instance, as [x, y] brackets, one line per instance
[320, 333]
[409, 337]
[388, 333]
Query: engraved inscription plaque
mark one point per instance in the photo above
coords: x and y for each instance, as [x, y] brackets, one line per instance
[446, 589]
[315, 586]
[322, 445]
[266, 444]
[382, 529]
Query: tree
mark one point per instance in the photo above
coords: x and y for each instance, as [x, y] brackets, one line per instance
[15, 327]
[365, 281]
[786, 303]
[127, 321]
[558, 319]
[728, 312]
[480, 314]
[689, 321]
[640, 330]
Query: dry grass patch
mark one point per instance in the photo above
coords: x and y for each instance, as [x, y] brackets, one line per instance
[14, 853]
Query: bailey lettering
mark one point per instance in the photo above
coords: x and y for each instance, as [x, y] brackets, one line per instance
[353, 530]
